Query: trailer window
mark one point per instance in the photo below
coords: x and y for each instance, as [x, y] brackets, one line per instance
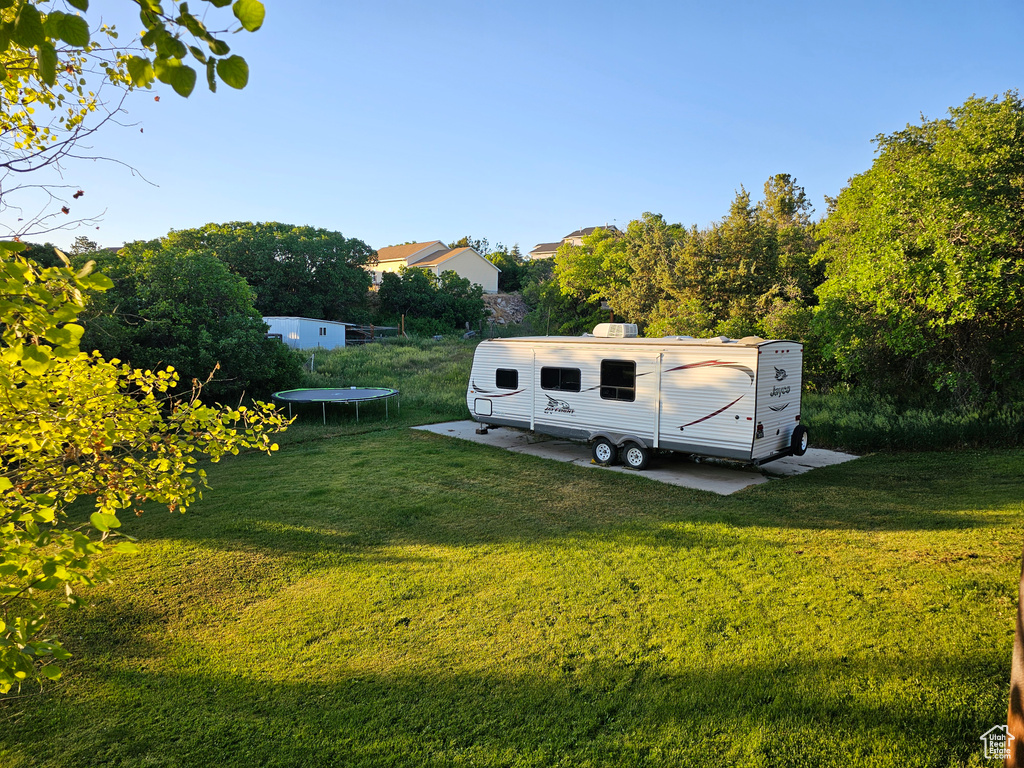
[618, 380]
[564, 379]
[506, 378]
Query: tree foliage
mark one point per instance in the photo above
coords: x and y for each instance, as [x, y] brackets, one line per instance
[924, 255]
[187, 310]
[54, 67]
[750, 273]
[295, 271]
[431, 304]
[76, 426]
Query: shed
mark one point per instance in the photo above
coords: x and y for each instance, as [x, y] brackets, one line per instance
[307, 332]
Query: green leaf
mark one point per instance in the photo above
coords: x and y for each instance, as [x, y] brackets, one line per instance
[11, 246]
[70, 334]
[198, 54]
[52, 22]
[97, 281]
[233, 71]
[35, 360]
[219, 3]
[47, 63]
[3, 72]
[73, 30]
[141, 71]
[180, 77]
[125, 548]
[82, 5]
[218, 47]
[51, 671]
[5, 485]
[104, 522]
[250, 13]
[211, 74]
[28, 27]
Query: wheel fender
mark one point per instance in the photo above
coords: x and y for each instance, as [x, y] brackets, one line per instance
[634, 439]
[618, 440]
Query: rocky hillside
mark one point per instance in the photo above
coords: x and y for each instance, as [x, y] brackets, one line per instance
[505, 308]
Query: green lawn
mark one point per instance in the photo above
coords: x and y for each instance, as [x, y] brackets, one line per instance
[397, 598]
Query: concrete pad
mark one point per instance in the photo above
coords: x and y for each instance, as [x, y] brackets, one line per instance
[672, 468]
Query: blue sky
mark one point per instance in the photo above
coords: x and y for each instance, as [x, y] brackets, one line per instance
[520, 122]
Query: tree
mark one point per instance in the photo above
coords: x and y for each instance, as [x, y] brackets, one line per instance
[53, 70]
[432, 304]
[478, 244]
[187, 310]
[924, 255]
[83, 245]
[303, 271]
[73, 425]
[514, 268]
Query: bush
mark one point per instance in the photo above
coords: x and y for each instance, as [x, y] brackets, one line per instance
[187, 310]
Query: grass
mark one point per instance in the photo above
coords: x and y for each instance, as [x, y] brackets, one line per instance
[396, 598]
[432, 377]
[862, 422]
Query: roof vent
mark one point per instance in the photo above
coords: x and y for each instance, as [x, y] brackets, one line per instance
[615, 330]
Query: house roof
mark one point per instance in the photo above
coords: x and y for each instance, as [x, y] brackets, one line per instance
[435, 259]
[545, 247]
[590, 230]
[402, 252]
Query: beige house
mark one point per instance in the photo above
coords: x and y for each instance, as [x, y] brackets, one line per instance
[547, 250]
[438, 258]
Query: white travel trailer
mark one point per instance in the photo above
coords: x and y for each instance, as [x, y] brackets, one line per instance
[726, 398]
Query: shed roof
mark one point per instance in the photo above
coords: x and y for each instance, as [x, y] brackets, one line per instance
[310, 319]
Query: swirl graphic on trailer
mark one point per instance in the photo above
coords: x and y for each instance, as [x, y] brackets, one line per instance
[492, 393]
[557, 406]
[717, 364]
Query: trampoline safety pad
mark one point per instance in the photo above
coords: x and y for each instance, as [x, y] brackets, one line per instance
[323, 396]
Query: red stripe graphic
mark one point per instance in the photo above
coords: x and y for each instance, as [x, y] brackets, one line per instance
[710, 415]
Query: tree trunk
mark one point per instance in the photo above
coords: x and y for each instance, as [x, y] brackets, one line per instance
[1015, 716]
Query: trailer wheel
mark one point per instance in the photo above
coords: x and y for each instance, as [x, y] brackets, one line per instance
[605, 452]
[800, 441]
[635, 456]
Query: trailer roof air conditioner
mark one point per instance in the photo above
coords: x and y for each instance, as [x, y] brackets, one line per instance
[615, 330]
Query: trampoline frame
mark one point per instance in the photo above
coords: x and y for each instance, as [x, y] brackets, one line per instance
[386, 393]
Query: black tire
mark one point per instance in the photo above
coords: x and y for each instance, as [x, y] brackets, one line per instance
[635, 456]
[605, 453]
[800, 440]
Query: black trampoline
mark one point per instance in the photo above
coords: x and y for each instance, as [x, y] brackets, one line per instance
[355, 395]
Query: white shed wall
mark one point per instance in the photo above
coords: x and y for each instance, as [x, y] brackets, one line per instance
[307, 333]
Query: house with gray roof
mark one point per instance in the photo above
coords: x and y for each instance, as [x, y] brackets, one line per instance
[547, 250]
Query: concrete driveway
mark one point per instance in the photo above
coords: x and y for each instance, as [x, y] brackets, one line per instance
[672, 468]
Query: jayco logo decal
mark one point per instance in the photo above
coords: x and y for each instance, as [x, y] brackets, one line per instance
[780, 374]
[779, 391]
[557, 406]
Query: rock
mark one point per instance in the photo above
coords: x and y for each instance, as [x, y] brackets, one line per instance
[506, 308]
